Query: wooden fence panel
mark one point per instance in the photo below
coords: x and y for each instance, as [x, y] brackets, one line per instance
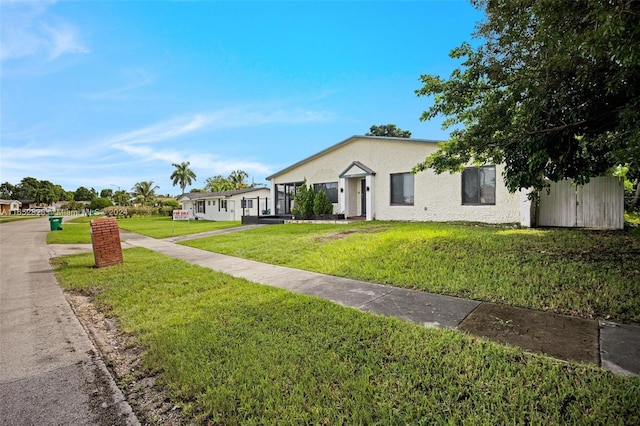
[558, 206]
[601, 204]
[598, 204]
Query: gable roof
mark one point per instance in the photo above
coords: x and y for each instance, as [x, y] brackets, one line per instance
[357, 169]
[199, 195]
[347, 141]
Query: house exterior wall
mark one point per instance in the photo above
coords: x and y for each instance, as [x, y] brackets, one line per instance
[233, 211]
[436, 197]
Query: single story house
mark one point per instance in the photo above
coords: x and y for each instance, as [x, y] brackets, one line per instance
[28, 204]
[370, 177]
[9, 206]
[226, 205]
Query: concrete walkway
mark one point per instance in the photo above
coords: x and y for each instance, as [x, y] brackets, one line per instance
[50, 371]
[613, 346]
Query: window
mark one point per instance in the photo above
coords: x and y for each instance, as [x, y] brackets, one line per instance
[246, 204]
[284, 196]
[200, 206]
[479, 185]
[331, 189]
[222, 205]
[402, 189]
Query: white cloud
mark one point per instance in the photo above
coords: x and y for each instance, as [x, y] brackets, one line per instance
[25, 154]
[238, 117]
[28, 30]
[146, 152]
[63, 39]
[159, 132]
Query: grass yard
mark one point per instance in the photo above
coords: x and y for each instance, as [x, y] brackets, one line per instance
[76, 231]
[73, 232]
[164, 227]
[232, 352]
[577, 272]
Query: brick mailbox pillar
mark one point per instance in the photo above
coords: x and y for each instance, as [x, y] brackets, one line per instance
[105, 238]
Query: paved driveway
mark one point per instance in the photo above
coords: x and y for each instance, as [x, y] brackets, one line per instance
[50, 372]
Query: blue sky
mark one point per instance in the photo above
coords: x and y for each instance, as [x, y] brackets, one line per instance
[105, 94]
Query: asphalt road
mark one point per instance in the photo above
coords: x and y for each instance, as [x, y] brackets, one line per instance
[50, 372]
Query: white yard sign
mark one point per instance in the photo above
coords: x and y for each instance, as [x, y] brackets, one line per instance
[181, 215]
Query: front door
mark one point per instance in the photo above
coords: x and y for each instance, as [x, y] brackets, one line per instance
[363, 197]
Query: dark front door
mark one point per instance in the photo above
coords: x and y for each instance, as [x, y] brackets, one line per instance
[363, 197]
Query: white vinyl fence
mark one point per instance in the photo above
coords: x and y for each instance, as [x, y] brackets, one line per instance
[598, 204]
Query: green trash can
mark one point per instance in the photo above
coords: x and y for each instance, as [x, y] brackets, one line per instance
[55, 223]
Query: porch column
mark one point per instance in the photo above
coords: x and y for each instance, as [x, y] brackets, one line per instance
[369, 196]
[342, 197]
[271, 204]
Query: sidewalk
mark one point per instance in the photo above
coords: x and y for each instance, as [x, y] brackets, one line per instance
[615, 347]
[50, 371]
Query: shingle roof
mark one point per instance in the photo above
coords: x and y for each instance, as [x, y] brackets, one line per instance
[349, 140]
[198, 195]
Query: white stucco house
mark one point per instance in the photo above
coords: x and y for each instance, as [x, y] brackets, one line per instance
[227, 205]
[370, 177]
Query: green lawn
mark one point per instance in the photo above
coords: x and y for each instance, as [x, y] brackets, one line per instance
[76, 231]
[164, 227]
[232, 352]
[571, 271]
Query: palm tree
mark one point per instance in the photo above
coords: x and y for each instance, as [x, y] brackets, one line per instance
[144, 191]
[218, 183]
[237, 178]
[182, 175]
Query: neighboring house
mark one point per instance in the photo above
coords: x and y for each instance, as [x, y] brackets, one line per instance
[227, 205]
[370, 177]
[9, 206]
[28, 204]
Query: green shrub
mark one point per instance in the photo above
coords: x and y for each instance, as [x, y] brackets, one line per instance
[171, 203]
[72, 205]
[165, 210]
[322, 204]
[303, 202]
[100, 203]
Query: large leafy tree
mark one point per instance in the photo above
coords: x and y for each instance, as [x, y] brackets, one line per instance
[41, 191]
[26, 189]
[552, 91]
[144, 191]
[7, 190]
[84, 194]
[182, 175]
[46, 193]
[106, 193]
[388, 130]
